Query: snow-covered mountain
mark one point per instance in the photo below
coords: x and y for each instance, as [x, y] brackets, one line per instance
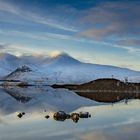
[7, 63]
[59, 69]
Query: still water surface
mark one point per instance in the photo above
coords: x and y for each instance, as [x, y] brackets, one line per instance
[119, 121]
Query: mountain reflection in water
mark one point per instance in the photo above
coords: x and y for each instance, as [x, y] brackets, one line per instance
[119, 121]
[20, 94]
[13, 99]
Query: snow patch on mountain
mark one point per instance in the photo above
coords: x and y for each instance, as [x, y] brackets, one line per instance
[61, 69]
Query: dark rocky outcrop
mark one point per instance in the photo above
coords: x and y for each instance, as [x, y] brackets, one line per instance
[106, 90]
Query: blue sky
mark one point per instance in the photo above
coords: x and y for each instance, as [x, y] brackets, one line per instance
[97, 31]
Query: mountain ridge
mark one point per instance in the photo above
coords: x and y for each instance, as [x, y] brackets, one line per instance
[64, 69]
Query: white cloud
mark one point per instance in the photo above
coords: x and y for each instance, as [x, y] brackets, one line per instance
[37, 36]
[34, 17]
[45, 36]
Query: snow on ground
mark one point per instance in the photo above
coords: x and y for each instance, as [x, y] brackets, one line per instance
[61, 69]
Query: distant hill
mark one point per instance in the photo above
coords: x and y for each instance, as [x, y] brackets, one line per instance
[105, 90]
[102, 84]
